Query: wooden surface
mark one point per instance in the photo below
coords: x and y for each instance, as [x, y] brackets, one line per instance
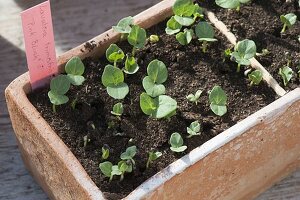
[74, 22]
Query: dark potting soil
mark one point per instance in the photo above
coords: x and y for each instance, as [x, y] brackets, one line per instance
[260, 22]
[189, 70]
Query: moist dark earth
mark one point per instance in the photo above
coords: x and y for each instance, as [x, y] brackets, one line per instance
[259, 21]
[189, 70]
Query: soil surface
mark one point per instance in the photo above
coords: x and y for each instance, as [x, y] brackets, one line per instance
[189, 70]
[260, 22]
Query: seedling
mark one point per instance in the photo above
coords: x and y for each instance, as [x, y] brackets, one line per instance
[288, 20]
[154, 38]
[162, 106]
[185, 37]
[218, 101]
[117, 109]
[137, 38]
[152, 156]
[186, 12]
[255, 77]
[113, 79]
[286, 74]
[74, 69]
[123, 167]
[205, 32]
[176, 142]
[173, 26]
[157, 74]
[193, 129]
[105, 152]
[129, 154]
[131, 66]
[109, 170]
[243, 52]
[231, 4]
[114, 54]
[124, 25]
[86, 140]
[194, 97]
[59, 86]
[264, 52]
[227, 54]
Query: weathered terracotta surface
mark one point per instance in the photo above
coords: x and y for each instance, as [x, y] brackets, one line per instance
[237, 164]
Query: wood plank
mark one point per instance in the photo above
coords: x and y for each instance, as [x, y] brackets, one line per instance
[93, 17]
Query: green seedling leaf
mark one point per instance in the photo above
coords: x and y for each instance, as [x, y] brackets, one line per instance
[137, 37]
[105, 152]
[288, 20]
[205, 32]
[106, 168]
[154, 38]
[131, 66]
[153, 89]
[113, 80]
[184, 8]
[184, 21]
[185, 37]
[124, 167]
[286, 74]
[57, 99]
[129, 154]
[176, 142]
[60, 84]
[75, 66]
[152, 157]
[76, 79]
[157, 71]
[194, 97]
[231, 4]
[159, 107]
[124, 25]
[117, 109]
[243, 52]
[114, 54]
[218, 101]
[255, 77]
[194, 129]
[172, 26]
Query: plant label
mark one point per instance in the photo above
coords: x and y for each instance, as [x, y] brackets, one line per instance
[39, 44]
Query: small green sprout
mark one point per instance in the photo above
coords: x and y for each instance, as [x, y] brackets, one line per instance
[231, 4]
[218, 101]
[288, 20]
[86, 140]
[124, 25]
[205, 32]
[185, 37]
[59, 86]
[243, 52]
[176, 142]
[194, 97]
[264, 52]
[162, 106]
[123, 167]
[286, 74]
[114, 54]
[117, 109]
[105, 152]
[129, 154]
[193, 129]
[131, 66]
[255, 77]
[154, 38]
[173, 26]
[74, 69]
[186, 12]
[157, 74]
[152, 157]
[137, 38]
[113, 79]
[107, 169]
[227, 54]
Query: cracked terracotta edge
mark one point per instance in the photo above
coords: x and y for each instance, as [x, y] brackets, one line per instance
[254, 63]
[266, 115]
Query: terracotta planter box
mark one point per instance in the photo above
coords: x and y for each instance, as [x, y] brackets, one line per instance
[239, 163]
